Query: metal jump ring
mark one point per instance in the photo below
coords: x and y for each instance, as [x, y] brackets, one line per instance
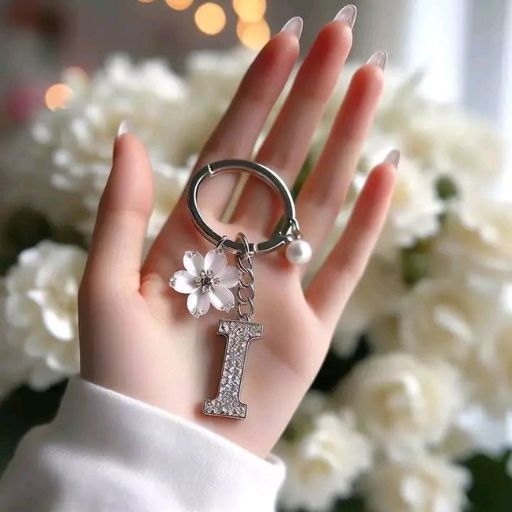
[266, 174]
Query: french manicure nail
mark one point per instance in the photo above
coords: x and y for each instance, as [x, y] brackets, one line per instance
[393, 157]
[294, 26]
[124, 127]
[347, 14]
[378, 58]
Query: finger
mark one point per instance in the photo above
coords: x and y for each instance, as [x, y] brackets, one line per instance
[324, 191]
[235, 135]
[124, 209]
[239, 128]
[335, 281]
[287, 144]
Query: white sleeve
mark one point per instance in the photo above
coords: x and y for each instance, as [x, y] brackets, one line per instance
[105, 451]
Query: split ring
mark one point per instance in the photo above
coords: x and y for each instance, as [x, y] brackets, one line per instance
[266, 174]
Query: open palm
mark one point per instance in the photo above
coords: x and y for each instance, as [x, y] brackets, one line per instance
[136, 334]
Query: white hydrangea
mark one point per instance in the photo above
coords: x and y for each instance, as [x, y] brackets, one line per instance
[476, 237]
[423, 484]
[490, 371]
[383, 333]
[413, 212]
[401, 403]
[77, 141]
[442, 139]
[40, 314]
[452, 142]
[382, 276]
[312, 405]
[449, 319]
[324, 463]
[14, 365]
[213, 77]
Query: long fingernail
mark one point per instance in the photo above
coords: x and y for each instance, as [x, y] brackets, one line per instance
[347, 14]
[294, 26]
[124, 127]
[393, 157]
[379, 58]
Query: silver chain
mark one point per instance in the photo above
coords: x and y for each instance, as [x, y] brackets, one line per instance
[245, 292]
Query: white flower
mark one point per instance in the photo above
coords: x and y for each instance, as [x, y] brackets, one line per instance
[442, 139]
[401, 403]
[476, 237]
[40, 312]
[324, 463]
[423, 484]
[453, 143]
[206, 280]
[448, 318]
[378, 293]
[77, 141]
[383, 333]
[221, 71]
[14, 365]
[490, 371]
[413, 212]
[478, 430]
[312, 406]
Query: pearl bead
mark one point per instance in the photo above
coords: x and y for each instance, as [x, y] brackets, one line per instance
[298, 252]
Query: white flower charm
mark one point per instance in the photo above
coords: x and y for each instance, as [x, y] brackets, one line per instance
[207, 281]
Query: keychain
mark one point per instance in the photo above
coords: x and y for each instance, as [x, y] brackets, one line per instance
[208, 280]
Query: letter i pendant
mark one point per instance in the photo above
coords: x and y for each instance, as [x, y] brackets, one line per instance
[239, 333]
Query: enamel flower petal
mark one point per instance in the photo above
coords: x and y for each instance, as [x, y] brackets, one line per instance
[222, 298]
[198, 303]
[183, 282]
[206, 280]
[193, 262]
[215, 261]
[229, 277]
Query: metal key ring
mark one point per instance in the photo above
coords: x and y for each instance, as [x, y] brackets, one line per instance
[266, 174]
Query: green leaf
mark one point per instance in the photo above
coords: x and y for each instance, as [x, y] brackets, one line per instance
[446, 188]
[24, 228]
[491, 490]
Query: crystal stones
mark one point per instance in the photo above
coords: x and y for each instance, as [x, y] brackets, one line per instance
[205, 280]
[227, 402]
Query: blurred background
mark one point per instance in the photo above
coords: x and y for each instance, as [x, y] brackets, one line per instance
[50, 50]
[464, 45]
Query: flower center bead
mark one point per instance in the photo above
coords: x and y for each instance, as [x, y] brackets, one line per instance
[205, 280]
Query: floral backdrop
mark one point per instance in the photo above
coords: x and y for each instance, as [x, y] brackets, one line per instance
[412, 408]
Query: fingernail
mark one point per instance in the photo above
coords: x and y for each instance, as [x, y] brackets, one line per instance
[124, 127]
[393, 157]
[294, 26]
[379, 58]
[347, 14]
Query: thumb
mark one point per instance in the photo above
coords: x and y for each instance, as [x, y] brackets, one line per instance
[123, 213]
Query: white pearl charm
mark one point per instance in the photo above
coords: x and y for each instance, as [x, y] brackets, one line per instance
[299, 252]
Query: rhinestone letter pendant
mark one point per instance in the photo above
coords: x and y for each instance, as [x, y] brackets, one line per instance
[238, 335]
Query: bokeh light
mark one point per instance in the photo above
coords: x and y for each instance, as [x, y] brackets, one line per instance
[250, 11]
[253, 35]
[146, 1]
[57, 96]
[75, 72]
[210, 18]
[179, 5]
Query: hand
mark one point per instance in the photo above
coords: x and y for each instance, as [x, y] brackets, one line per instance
[136, 334]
